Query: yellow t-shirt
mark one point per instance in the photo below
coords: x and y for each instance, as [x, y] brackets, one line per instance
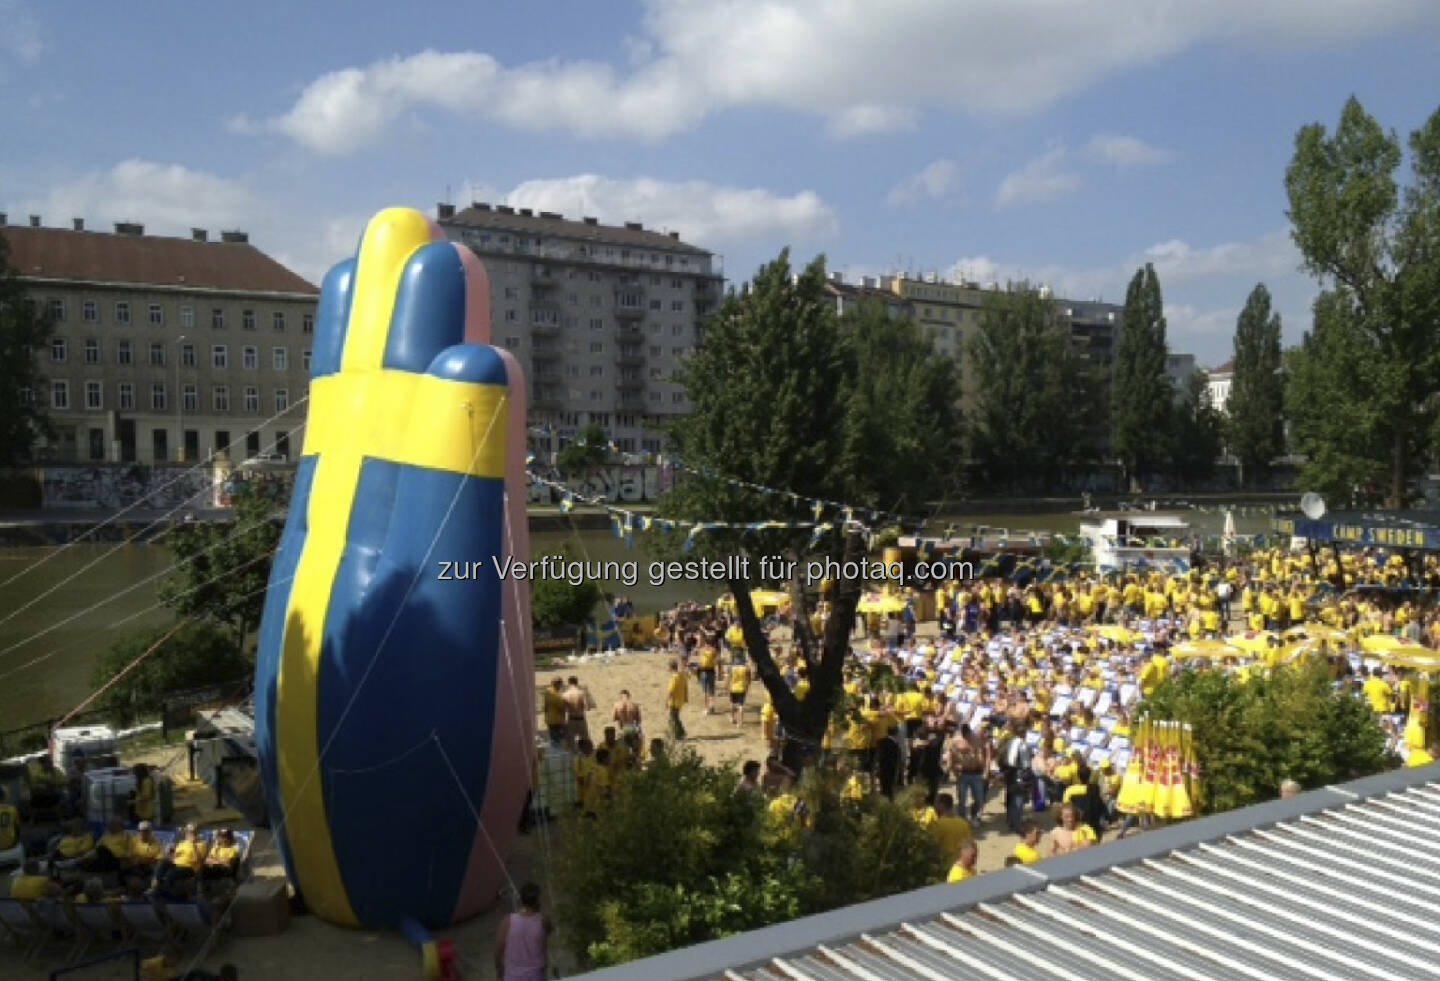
[146, 851]
[739, 679]
[1026, 854]
[189, 854]
[802, 688]
[225, 854]
[145, 799]
[950, 833]
[119, 843]
[1378, 691]
[1419, 757]
[597, 788]
[679, 691]
[156, 969]
[854, 789]
[9, 826]
[959, 873]
[782, 808]
[73, 846]
[554, 704]
[1083, 833]
[708, 657]
[29, 887]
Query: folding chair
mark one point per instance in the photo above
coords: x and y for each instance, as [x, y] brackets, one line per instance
[99, 925]
[57, 923]
[191, 922]
[145, 922]
[20, 925]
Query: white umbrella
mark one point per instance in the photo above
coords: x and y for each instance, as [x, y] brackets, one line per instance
[1228, 535]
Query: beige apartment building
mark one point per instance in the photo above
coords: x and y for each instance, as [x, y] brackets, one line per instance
[167, 349]
[600, 316]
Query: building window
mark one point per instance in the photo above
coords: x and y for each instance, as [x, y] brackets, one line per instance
[59, 394]
[595, 395]
[677, 329]
[597, 323]
[655, 304]
[157, 354]
[307, 323]
[57, 349]
[57, 309]
[190, 398]
[247, 319]
[282, 399]
[157, 396]
[94, 395]
[510, 316]
[187, 316]
[305, 360]
[252, 399]
[677, 284]
[187, 355]
[511, 293]
[656, 350]
[220, 398]
[277, 321]
[122, 313]
[677, 306]
[92, 351]
[90, 310]
[219, 356]
[127, 395]
[677, 397]
[654, 396]
[280, 358]
[512, 342]
[597, 347]
[597, 371]
[250, 358]
[123, 353]
[572, 371]
[217, 318]
[157, 315]
[630, 301]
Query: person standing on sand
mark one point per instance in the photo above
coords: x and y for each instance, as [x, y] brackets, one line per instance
[676, 696]
[521, 946]
[578, 701]
[626, 714]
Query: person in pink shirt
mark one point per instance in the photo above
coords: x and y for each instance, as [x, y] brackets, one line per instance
[521, 947]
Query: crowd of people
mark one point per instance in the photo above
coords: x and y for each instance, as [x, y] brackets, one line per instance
[1020, 688]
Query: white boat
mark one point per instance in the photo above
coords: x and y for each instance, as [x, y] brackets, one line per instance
[1137, 539]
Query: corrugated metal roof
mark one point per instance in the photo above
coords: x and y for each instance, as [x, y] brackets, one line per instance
[1338, 884]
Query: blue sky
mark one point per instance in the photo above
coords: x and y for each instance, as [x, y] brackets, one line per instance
[1058, 141]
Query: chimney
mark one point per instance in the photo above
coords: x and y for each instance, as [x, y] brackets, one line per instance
[552, 214]
[129, 228]
[675, 236]
[234, 238]
[526, 213]
[634, 226]
[591, 221]
[79, 224]
[199, 235]
[479, 205]
[4, 219]
[504, 209]
[34, 221]
[445, 211]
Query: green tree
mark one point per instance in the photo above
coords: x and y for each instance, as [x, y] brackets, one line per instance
[1251, 734]
[25, 330]
[1378, 250]
[902, 401]
[584, 454]
[1254, 423]
[1026, 427]
[1142, 397]
[197, 654]
[1195, 433]
[558, 604]
[222, 568]
[1329, 380]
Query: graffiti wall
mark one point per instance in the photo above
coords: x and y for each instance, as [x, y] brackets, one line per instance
[620, 484]
[108, 488]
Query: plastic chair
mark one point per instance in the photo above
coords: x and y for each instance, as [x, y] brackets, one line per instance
[20, 925]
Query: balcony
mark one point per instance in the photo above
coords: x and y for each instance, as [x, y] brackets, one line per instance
[545, 299]
[547, 399]
[545, 354]
[629, 313]
[544, 330]
[630, 358]
[631, 333]
[631, 402]
[636, 384]
[547, 376]
[541, 274]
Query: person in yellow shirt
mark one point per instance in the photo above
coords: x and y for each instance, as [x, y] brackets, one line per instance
[554, 710]
[223, 858]
[142, 806]
[1027, 851]
[75, 844]
[949, 830]
[964, 867]
[739, 689]
[113, 850]
[677, 694]
[709, 663]
[1379, 693]
[187, 855]
[33, 884]
[9, 823]
[164, 966]
[802, 683]
[596, 793]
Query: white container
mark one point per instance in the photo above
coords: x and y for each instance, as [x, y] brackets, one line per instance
[107, 793]
[90, 740]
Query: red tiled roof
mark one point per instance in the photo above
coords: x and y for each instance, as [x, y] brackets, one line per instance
[147, 260]
[1228, 368]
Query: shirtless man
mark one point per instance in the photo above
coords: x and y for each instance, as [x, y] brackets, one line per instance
[577, 702]
[627, 714]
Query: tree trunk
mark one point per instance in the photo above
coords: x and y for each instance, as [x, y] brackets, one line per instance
[1399, 464]
[805, 722]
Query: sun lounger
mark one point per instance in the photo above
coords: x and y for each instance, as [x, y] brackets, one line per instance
[146, 922]
[57, 922]
[192, 922]
[99, 925]
[20, 925]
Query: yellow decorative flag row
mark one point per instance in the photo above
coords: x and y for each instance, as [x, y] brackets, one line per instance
[1162, 777]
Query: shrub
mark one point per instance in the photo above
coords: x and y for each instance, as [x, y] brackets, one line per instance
[679, 858]
[1252, 734]
[201, 653]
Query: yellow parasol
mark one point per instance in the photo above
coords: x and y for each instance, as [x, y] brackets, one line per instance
[1206, 650]
[1315, 632]
[1119, 634]
[1133, 797]
[1255, 642]
[1387, 647]
[881, 603]
[1417, 726]
[762, 599]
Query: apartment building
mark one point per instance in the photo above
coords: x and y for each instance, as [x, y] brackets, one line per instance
[166, 349]
[600, 316]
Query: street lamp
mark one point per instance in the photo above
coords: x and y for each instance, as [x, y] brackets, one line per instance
[179, 404]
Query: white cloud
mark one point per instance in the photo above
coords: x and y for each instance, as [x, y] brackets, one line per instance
[20, 35]
[866, 68]
[1044, 178]
[166, 198]
[698, 210]
[936, 180]
[1125, 151]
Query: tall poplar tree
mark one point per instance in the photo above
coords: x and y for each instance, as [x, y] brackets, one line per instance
[1142, 399]
[1376, 251]
[1254, 424]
